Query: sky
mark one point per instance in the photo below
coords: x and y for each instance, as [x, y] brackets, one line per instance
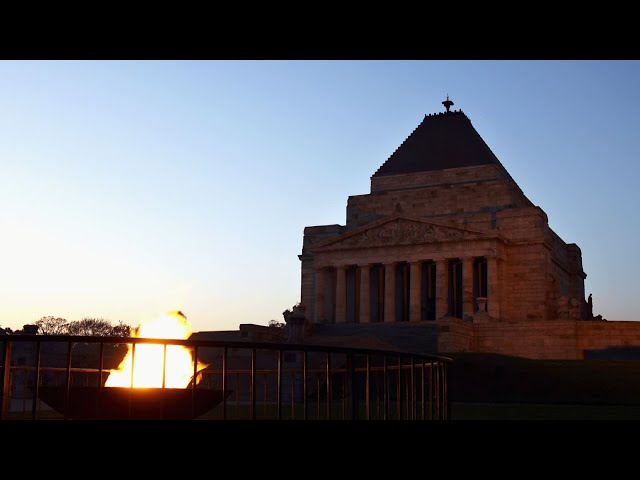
[129, 188]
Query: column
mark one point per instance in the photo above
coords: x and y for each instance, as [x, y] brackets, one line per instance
[390, 292]
[467, 287]
[319, 297]
[493, 297]
[341, 294]
[414, 294]
[442, 286]
[365, 289]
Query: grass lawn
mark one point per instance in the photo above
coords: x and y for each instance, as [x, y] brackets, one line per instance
[523, 411]
[498, 387]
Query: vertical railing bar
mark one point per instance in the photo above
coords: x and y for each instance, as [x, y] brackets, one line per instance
[378, 402]
[164, 365]
[318, 395]
[237, 395]
[431, 391]
[437, 396]
[443, 409]
[133, 364]
[427, 398]
[367, 393]
[304, 385]
[434, 393]
[443, 413]
[100, 374]
[15, 378]
[164, 375]
[399, 389]
[266, 395]
[344, 388]
[133, 358]
[439, 392]
[350, 375]
[449, 403]
[224, 384]
[12, 379]
[344, 394]
[436, 411]
[68, 380]
[34, 405]
[253, 384]
[413, 391]
[279, 384]
[293, 394]
[385, 386]
[407, 399]
[5, 385]
[39, 402]
[25, 381]
[445, 391]
[194, 381]
[422, 390]
[329, 399]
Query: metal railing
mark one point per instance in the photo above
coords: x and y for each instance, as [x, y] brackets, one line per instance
[242, 380]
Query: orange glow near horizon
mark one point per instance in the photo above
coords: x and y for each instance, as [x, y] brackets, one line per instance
[149, 358]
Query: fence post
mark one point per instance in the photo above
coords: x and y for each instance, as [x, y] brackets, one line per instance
[349, 390]
[447, 400]
[5, 393]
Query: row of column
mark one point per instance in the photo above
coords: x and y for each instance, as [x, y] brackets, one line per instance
[442, 291]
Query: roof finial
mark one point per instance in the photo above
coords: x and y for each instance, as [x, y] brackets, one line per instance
[447, 103]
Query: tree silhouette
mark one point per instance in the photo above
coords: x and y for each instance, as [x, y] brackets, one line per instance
[121, 330]
[92, 327]
[98, 327]
[52, 326]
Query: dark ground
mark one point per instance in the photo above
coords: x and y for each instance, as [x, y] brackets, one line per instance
[489, 386]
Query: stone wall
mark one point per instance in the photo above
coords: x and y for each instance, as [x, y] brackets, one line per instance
[532, 339]
[595, 335]
[308, 285]
[455, 335]
[443, 177]
[555, 339]
[524, 283]
[445, 192]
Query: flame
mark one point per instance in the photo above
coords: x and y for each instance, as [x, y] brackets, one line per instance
[148, 358]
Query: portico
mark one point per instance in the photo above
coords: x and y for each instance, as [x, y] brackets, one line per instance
[360, 277]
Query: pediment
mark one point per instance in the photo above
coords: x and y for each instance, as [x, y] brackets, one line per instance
[397, 231]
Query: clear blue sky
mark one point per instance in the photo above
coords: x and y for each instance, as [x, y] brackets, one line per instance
[130, 188]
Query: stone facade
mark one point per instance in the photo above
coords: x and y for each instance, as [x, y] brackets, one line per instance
[559, 339]
[444, 233]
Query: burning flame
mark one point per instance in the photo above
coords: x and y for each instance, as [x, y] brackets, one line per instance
[149, 358]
